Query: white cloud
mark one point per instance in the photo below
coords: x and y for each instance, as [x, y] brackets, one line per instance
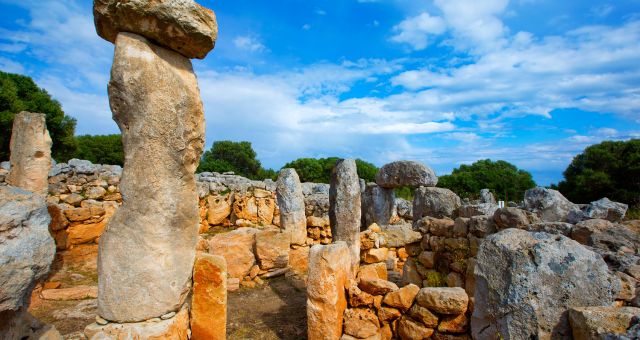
[417, 31]
[248, 43]
[602, 10]
[10, 66]
[306, 27]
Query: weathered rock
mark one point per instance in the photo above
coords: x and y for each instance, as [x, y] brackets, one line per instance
[469, 210]
[272, 249]
[526, 281]
[299, 260]
[561, 228]
[292, 206]
[237, 249]
[482, 226]
[26, 247]
[443, 300]
[513, 218]
[402, 298]
[30, 147]
[345, 210]
[71, 293]
[21, 324]
[373, 271]
[358, 298]
[423, 315]
[406, 173]
[427, 259]
[606, 209]
[550, 205]
[596, 322]
[377, 286]
[361, 323]
[435, 202]
[155, 100]
[378, 205]
[454, 324]
[175, 328]
[487, 197]
[209, 299]
[409, 329]
[582, 231]
[404, 208]
[219, 209]
[398, 235]
[329, 267]
[180, 25]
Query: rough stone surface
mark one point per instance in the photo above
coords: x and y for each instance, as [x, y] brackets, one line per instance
[409, 329]
[406, 173]
[329, 267]
[292, 206]
[237, 249]
[18, 325]
[218, 210]
[148, 250]
[398, 235]
[606, 209]
[443, 300]
[378, 205]
[30, 153]
[70, 293]
[596, 322]
[469, 210]
[435, 202]
[402, 298]
[180, 25]
[487, 197]
[26, 247]
[175, 328]
[272, 249]
[550, 205]
[345, 209]
[361, 323]
[209, 299]
[513, 218]
[525, 282]
[377, 286]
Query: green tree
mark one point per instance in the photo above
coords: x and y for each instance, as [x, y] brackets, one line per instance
[20, 93]
[318, 170]
[504, 180]
[100, 149]
[238, 157]
[609, 169]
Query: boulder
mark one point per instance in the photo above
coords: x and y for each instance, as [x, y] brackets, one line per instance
[561, 228]
[525, 283]
[175, 327]
[376, 286]
[606, 209]
[361, 323]
[514, 218]
[329, 267]
[404, 208]
[402, 298]
[487, 197]
[30, 148]
[180, 25]
[582, 231]
[469, 210]
[272, 249]
[237, 249]
[218, 209]
[155, 99]
[597, 322]
[423, 315]
[398, 235]
[443, 300]
[406, 173]
[292, 206]
[345, 209]
[550, 205]
[435, 202]
[378, 205]
[409, 329]
[208, 313]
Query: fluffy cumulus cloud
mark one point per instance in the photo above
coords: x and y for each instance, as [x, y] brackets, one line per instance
[417, 31]
[248, 43]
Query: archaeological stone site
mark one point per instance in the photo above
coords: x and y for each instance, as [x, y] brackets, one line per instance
[155, 249]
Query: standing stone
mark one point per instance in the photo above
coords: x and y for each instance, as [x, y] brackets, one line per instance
[406, 173]
[30, 153]
[291, 204]
[329, 267]
[344, 211]
[209, 299]
[148, 248]
[526, 282]
[379, 205]
[180, 25]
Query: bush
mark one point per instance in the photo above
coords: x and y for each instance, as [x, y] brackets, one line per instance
[318, 170]
[100, 149]
[238, 157]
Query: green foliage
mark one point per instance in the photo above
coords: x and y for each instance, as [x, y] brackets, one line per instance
[633, 213]
[404, 192]
[100, 149]
[20, 93]
[609, 169]
[238, 157]
[318, 170]
[504, 180]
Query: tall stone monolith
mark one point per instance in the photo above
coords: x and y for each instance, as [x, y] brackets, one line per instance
[30, 153]
[147, 251]
[291, 204]
[344, 207]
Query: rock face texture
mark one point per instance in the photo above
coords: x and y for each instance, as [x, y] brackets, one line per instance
[180, 25]
[606, 209]
[174, 328]
[291, 204]
[26, 247]
[406, 173]
[378, 205]
[550, 205]
[435, 202]
[30, 153]
[329, 267]
[209, 299]
[526, 282]
[147, 250]
[344, 211]
[597, 322]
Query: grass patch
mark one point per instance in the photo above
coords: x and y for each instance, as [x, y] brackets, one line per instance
[633, 213]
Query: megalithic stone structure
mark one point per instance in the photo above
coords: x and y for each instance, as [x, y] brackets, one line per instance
[291, 203]
[345, 208]
[147, 251]
[30, 153]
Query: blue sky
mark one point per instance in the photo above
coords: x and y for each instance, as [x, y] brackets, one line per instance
[445, 82]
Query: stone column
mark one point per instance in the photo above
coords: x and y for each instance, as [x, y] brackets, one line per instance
[209, 299]
[30, 153]
[344, 208]
[291, 204]
[147, 251]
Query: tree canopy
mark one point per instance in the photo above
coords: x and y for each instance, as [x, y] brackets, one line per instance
[238, 157]
[504, 180]
[609, 169]
[100, 149]
[318, 170]
[20, 93]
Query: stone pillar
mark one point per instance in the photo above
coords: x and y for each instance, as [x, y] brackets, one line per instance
[147, 251]
[329, 267]
[379, 205]
[344, 208]
[30, 153]
[291, 204]
[209, 299]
